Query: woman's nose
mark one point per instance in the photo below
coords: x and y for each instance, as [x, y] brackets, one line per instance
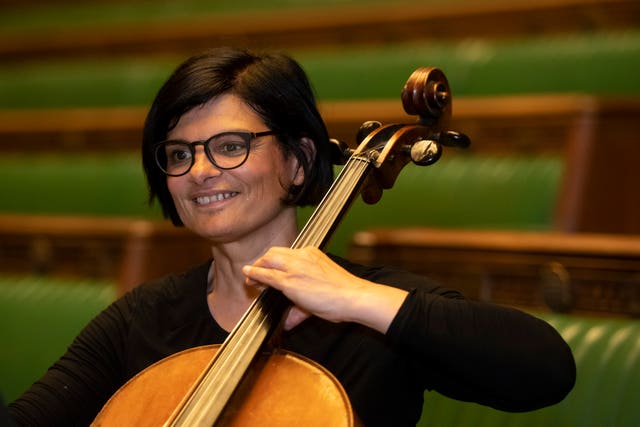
[202, 167]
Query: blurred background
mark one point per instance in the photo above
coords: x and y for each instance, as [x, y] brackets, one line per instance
[541, 212]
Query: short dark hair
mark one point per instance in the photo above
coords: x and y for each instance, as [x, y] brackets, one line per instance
[273, 84]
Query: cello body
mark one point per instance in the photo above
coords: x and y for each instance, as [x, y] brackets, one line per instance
[281, 389]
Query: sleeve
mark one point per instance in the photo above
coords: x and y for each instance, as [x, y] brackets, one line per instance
[485, 353]
[76, 387]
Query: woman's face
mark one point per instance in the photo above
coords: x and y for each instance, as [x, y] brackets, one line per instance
[229, 205]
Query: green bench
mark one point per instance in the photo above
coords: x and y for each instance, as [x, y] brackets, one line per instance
[463, 192]
[607, 353]
[102, 184]
[39, 318]
[591, 63]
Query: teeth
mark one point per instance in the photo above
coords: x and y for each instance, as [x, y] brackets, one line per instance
[204, 200]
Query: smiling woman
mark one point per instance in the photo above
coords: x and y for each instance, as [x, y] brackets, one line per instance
[385, 335]
[210, 198]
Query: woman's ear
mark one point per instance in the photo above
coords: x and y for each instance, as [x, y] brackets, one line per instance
[309, 150]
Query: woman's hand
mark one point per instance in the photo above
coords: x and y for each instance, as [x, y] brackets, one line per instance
[318, 286]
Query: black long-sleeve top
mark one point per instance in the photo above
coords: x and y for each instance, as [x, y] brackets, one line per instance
[472, 351]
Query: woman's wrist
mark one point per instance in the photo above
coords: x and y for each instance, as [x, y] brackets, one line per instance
[376, 305]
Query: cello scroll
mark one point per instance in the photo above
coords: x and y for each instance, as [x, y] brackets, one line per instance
[390, 147]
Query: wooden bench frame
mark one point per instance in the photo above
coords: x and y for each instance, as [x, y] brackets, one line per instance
[584, 273]
[128, 251]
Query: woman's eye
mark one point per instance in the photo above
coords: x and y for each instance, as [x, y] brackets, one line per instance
[231, 148]
[178, 154]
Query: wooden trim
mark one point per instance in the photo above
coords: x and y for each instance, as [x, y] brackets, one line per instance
[490, 121]
[553, 243]
[73, 129]
[128, 251]
[63, 225]
[325, 27]
[589, 273]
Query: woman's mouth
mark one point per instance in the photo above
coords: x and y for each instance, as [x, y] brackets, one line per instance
[205, 200]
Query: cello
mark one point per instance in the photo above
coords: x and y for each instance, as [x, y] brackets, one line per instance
[244, 382]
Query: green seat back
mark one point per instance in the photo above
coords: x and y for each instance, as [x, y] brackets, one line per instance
[576, 64]
[463, 192]
[607, 353]
[82, 184]
[39, 317]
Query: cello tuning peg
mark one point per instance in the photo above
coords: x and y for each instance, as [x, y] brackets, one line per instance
[340, 152]
[425, 152]
[454, 139]
[365, 129]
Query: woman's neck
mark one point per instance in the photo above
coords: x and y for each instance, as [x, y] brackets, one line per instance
[229, 297]
[231, 256]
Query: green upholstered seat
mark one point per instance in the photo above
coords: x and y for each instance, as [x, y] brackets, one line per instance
[607, 353]
[463, 192]
[39, 317]
[83, 184]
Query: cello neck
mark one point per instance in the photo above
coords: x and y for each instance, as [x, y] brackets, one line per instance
[327, 215]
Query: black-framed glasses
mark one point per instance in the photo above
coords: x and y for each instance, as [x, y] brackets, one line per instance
[227, 150]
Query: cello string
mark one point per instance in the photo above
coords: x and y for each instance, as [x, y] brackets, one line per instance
[324, 218]
[221, 378]
[338, 204]
[309, 231]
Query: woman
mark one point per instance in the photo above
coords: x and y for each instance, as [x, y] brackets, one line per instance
[232, 144]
